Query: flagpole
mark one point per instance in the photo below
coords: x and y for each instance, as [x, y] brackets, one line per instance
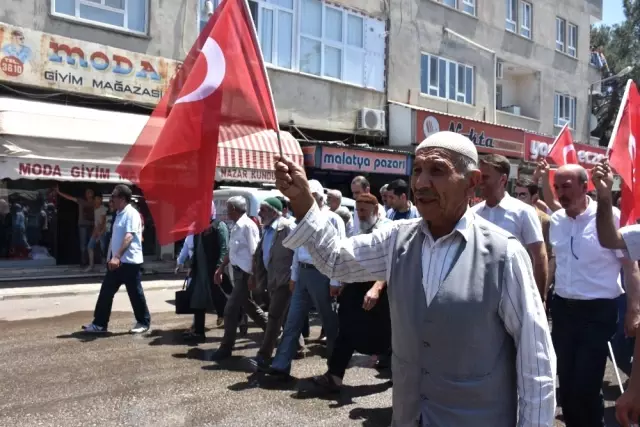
[254, 35]
[555, 141]
[614, 133]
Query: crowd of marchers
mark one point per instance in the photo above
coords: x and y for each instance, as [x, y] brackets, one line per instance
[454, 299]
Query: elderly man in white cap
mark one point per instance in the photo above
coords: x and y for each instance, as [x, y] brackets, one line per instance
[310, 287]
[471, 343]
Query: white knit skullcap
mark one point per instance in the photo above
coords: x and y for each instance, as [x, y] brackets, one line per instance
[451, 141]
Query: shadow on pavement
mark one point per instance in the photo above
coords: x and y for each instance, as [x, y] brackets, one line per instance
[372, 417]
[306, 390]
[87, 337]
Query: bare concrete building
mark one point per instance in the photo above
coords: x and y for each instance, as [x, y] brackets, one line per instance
[521, 64]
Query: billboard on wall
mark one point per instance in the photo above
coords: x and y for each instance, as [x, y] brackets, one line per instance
[536, 146]
[487, 137]
[344, 159]
[44, 60]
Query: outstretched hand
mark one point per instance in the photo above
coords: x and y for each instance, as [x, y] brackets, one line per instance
[292, 181]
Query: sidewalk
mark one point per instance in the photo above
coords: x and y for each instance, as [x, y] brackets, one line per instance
[80, 289]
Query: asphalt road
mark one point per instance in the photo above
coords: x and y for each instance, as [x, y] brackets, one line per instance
[53, 376]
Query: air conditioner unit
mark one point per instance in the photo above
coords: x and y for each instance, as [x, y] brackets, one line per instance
[499, 72]
[369, 119]
[513, 109]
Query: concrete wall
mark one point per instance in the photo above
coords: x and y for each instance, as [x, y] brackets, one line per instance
[418, 25]
[309, 101]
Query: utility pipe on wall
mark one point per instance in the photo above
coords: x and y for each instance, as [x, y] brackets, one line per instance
[495, 65]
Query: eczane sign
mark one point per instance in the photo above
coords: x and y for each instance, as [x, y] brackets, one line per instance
[537, 146]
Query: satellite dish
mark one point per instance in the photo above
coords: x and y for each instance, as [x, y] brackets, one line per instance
[593, 122]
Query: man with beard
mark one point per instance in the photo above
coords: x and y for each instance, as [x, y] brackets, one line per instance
[365, 326]
[471, 342]
[584, 309]
[272, 271]
[628, 240]
[512, 215]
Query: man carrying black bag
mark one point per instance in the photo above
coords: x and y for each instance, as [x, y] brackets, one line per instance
[209, 250]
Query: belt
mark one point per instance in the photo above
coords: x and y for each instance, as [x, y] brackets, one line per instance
[305, 265]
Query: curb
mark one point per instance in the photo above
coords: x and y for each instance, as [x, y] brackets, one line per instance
[19, 296]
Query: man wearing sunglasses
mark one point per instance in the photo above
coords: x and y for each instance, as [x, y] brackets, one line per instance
[584, 309]
[626, 239]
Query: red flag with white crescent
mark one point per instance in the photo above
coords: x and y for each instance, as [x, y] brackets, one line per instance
[221, 84]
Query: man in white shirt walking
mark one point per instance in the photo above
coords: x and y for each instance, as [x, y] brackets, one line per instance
[243, 242]
[512, 215]
[124, 266]
[584, 309]
[471, 342]
[310, 287]
[626, 239]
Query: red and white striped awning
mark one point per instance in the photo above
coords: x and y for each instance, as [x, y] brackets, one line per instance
[245, 147]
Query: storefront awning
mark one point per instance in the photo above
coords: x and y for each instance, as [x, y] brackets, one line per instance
[49, 141]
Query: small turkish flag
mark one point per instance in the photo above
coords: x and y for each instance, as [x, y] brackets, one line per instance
[623, 156]
[222, 83]
[562, 151]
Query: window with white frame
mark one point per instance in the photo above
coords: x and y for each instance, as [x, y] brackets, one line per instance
[525, 19]
[331, 42]
[572, 40]
[511, 15]
[561, 34]
[565, 110]
[519, 17]
[566, 37]
[451, 3]
[129, 15]
[446, 79]
[469, 6]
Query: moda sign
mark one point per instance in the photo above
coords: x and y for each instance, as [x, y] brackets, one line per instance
[537, 146]
[39, 59]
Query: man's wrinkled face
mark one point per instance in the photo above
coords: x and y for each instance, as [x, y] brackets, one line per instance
[333, 202]
[492, 180]
[366, 215]
[440, 191]
[568, 189]
[396, 201]
[266, 214]
[522, 193]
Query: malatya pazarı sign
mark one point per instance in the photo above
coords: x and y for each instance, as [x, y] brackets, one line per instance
[39, 59]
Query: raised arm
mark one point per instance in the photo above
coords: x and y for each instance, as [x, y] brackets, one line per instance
[66, 196]
[608, 234]
[542, 172]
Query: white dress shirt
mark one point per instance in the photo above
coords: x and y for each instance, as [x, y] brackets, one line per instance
[367, 257]
[584, 269]
[514, 216]
[302, 255]
[243, 242]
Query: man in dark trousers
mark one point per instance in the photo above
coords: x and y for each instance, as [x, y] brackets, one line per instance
[365, 325]
[124, 266]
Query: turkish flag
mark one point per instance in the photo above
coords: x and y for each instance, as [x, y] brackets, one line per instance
[222, 83]
[562, 151]
[623, 156]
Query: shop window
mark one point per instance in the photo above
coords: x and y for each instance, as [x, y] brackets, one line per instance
[129, 15]
[28, 224]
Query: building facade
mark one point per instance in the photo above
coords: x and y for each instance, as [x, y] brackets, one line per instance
[507, 63]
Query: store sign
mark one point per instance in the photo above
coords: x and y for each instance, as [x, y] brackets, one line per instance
[343, 159]
[309, 153]
[16, 168]
[537, 146]
[245, 175]
[39, 59]
[487, 137]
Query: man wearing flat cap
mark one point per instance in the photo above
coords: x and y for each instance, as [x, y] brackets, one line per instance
[471, 343]
[272, 271]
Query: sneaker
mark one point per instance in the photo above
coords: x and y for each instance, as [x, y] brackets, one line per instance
[94, 329]
[139, 328]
